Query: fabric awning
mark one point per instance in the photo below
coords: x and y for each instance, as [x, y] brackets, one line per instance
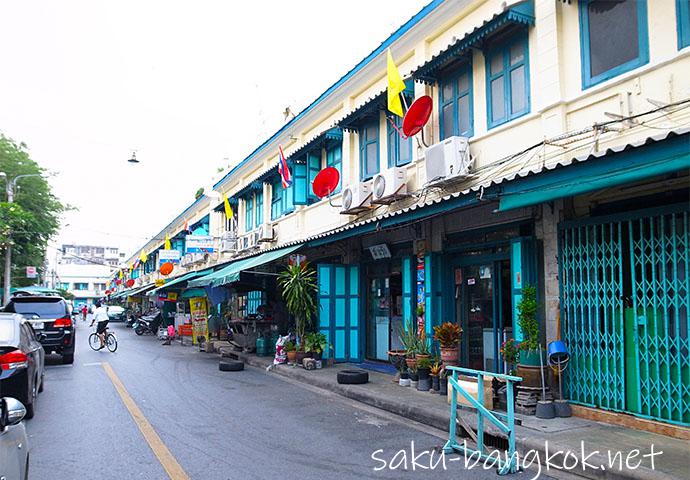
[140, 290]
[182, 278]
[193, 292]
[231, 273]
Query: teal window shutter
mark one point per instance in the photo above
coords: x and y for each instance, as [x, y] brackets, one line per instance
[248, 213]
[683, 20]
[299, 183]
[289, 199]
[455, 99]
[408, 290]
[369, 150]
[255, 299]
[276, 200]
[313, 168]
[399, 149]
[259, 216]
[334, 158]
[339, 310]
[507, 80]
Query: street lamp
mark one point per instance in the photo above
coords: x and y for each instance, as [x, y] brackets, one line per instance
[10, 186]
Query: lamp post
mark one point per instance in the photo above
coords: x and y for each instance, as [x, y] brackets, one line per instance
[10, 186]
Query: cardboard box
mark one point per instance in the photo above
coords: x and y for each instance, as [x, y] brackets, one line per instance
[469, 384]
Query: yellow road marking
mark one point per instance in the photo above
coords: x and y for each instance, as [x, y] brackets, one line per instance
[166, 459]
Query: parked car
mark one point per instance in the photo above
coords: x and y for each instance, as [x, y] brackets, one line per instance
[14, 451]
[116, 313]
[51, 319]
[21, 361]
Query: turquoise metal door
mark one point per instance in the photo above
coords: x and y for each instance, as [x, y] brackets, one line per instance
[339, 310]
[625, 299]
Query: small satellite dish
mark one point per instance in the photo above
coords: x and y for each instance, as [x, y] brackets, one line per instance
[326, 181]
[417, 115]
[134, 158]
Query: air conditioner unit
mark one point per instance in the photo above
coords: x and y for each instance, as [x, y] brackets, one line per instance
[253, 240]
[243, 242]
[389, 185]
[228, 245]
[265, 233]
[448, 160]
[356, 198]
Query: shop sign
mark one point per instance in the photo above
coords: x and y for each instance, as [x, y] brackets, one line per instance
[172, 296]
[379, 252]
[160, 282]
[199, 244]
[168, 256]
[199, 316]
[191, 259]
[31, 272]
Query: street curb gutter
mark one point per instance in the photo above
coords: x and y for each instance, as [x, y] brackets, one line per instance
[433, 419]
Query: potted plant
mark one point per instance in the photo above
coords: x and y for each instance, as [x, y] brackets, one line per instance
[315, 343]
[410, 341]
[510, 350]
[443, 382]
[291, 351]
[423, 370]
[404, 377]
[423, 348]
[529, 364]
[414, 376]
[298, 285]
[448, 336]
[435, 373]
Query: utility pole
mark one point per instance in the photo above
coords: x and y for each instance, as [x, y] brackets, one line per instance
[10, 186]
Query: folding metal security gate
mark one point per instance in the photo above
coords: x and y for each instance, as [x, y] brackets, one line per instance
[625, 306]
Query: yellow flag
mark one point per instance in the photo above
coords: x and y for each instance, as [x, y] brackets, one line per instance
[167, 243]
[143, 257]
[395, 86]
[120, 275]
[228, 209]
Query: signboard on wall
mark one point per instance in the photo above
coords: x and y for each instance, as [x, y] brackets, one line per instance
[31, 272]
[199, 244]
[379, 252]
[168, 256]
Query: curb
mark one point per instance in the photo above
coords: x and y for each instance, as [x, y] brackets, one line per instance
[404, 409]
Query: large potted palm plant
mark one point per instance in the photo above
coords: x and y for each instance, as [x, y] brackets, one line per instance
[298, 285]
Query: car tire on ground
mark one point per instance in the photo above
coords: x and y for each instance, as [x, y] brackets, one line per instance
[68, 359]
[353, 377]
[28, 402]
[43, 381]
[230, 366]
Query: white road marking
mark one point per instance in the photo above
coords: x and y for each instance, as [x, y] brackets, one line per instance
[92, 364]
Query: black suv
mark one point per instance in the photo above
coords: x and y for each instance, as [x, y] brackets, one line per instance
[51, 319]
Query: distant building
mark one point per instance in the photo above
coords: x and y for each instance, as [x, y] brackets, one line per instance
[83, 270]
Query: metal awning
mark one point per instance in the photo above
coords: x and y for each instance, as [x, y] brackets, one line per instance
[332, 135]
[182, 278]
[519, 14]
[371, 107]
[231, 273]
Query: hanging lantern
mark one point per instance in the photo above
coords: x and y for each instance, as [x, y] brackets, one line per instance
[129, 283]
[118, 281]
[166, 268]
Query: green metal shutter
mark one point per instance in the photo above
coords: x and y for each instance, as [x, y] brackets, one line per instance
[299, 183]
[313, 168]
[408, 289]
[433, 291]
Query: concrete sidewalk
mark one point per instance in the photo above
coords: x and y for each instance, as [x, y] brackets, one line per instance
[546, 438]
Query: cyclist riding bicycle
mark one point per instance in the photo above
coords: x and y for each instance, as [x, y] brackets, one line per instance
[100, 315]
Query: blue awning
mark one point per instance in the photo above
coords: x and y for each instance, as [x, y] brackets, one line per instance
[231, 273]
[630, 163]
[178, 280]
[330, 136]
[193, 293]
[371, 108]
[520, 14]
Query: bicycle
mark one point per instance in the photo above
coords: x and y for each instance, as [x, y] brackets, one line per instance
[110, 341]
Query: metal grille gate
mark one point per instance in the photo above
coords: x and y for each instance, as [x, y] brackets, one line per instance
[625, 306]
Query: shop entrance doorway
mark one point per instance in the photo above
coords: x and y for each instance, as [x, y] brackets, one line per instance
[384, 315]
[483, 309]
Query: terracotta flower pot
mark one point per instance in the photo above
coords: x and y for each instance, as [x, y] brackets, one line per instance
[291, 356]
[449, 355]
[411, 362]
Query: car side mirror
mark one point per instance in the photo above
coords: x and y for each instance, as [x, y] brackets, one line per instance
[12, 412]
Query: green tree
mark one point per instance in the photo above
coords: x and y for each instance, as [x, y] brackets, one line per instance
[33, 217]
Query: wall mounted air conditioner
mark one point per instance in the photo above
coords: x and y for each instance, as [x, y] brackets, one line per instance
[356, 198]
[389, 186]
[253, 239]
[228, 243]
[265, 233]
[448, 160]
[243, 242]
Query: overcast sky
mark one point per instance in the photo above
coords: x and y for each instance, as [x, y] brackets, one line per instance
[190, 85]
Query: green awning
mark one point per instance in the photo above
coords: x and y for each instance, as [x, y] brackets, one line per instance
[231, 273]
[183, 278]
[632, 164]
[193, 292]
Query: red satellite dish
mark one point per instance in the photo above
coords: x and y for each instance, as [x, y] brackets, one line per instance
[107, 292]
[326, 181]
[166, 268]
[417, 115]
[129, 283]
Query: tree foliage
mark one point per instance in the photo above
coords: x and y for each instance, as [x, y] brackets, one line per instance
[298, 284]
[33, 217]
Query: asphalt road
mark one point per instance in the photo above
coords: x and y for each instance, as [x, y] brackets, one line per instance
[216, 425]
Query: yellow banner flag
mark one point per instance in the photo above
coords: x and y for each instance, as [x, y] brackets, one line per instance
[143, 257]
[120, 275]
[167, 243]
[228, 209]
[395, 87]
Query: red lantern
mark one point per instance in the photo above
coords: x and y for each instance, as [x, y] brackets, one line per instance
[129, 283]
[167, 268]
[118, 281]
[107, 292]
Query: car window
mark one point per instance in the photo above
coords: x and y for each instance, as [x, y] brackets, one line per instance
[44, 309]
[6, 331]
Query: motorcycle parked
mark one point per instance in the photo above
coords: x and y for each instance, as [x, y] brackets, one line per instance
[148, 324]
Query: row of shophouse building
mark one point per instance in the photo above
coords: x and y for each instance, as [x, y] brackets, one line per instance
[557, 155]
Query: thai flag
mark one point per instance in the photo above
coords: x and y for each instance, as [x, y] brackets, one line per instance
[283, 169]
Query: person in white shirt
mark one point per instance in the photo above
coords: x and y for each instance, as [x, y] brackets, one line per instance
[100, 315]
